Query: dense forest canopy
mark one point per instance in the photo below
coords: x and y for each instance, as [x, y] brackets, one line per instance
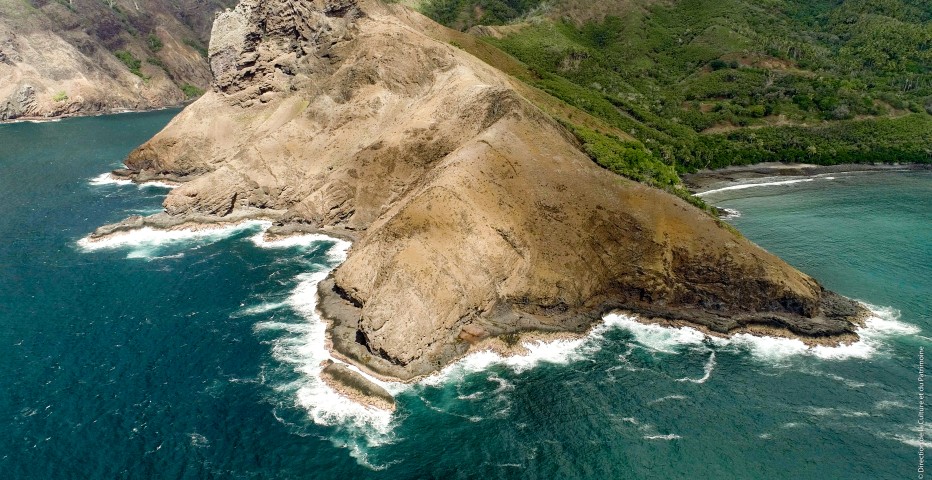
[708, 84]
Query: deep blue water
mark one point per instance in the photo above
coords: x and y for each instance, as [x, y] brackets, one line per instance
[195, 358]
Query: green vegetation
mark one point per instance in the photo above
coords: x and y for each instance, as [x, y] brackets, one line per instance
[60, 97]
[466, 13]
[157, 62]
[626, 158]
[132, 63]
[632, 160]
[191, 91]
[155, 43]
[710, 84]
[197, 46]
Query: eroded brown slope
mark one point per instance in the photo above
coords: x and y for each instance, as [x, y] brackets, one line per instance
[58, 58]
[474, 213]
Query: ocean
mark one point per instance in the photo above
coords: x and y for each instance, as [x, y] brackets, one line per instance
[173, 355]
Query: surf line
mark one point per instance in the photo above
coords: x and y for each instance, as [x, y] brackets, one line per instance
[744, 186]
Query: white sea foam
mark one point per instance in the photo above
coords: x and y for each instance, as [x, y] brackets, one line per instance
[35, 120]
[304, 349]
[889, 404]
[657, 337]
[302, 346]
[743, 186]
[669, 436]
[709, 366]
[671, 340]
[908, 439]
[262, 308]
[108, 179]
[337, 253]
[881, 325]
[157, 184]
[730, 213]
[146, 242]
[667, 399]
[560, 351]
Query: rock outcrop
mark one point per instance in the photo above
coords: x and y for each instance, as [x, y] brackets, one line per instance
[474, 214]
[59, 58]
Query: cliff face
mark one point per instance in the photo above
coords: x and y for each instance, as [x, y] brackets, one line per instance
[59, 58]
[474, 213]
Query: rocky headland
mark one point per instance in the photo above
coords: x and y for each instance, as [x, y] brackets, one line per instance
[84, 57]
[474, 214]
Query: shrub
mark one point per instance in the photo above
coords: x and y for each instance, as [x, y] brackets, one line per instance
[157, 62]
[197, 46]
[191, 91]
[718, 64]
[60, 97]
[132, 63]
[155, 43]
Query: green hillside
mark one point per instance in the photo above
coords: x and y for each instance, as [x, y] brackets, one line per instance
[709, 84]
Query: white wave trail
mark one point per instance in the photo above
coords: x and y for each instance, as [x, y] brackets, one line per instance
[657, 337]
[145, 242]
[560, 351]
[882, 324]
[304, 349]
[337, 253]
[108, 179]
[671, 340]
[262, 308]
[709, 366]
[730, 214]
[668, 398]
[744, 186]
[879, 327]
[157, 184]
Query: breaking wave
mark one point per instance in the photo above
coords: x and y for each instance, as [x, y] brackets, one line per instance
[743, 186]
[883, 324]
[148, 242]
[709, 366]
[336, 253]
[301, 348]
[109, 179]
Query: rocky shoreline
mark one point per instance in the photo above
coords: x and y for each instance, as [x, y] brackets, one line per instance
[837, 326]
[706, 180]
[94, 113]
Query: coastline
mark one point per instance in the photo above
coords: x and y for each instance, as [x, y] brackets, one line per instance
[705, 181]
[115, 111]
[341, 315]
[353, 378]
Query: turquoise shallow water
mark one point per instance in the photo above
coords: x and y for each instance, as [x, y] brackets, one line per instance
[195, 357]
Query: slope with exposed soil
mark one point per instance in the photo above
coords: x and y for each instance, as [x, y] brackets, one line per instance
[85, 57]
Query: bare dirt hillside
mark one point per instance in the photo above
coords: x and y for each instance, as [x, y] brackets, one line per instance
[72, 57]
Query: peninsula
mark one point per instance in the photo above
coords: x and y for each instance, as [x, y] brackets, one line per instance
[476, 212]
